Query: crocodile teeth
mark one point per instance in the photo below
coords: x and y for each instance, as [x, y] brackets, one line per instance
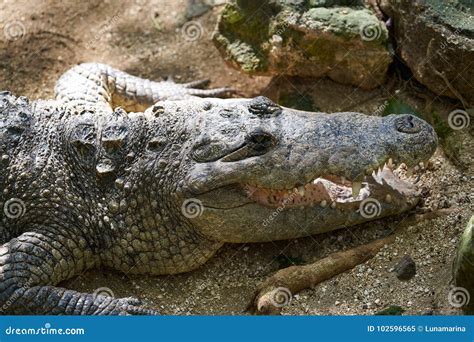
[323, 203]
[390, 163]
[301, 190]
[356, 186]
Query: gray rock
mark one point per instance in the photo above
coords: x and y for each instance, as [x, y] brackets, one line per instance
[196, 8]
[436, 40]
[463, 270]
[406, 268]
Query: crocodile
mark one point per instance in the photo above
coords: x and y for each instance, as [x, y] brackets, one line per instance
[153, 178]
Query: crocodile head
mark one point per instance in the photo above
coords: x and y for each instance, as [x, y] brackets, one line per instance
[256, 171]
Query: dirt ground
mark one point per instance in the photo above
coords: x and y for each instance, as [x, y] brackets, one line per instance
[42, 39]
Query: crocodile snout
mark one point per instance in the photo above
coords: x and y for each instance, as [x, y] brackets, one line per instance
[408, 124]
[412, 139]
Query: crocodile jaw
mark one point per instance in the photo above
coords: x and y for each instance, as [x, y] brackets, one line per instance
[331, 191]
[323, 207]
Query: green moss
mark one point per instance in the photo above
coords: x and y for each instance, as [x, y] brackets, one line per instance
[396, 106]
[246, 56]
[249, 27]
[320, 14]
[465, 248]
[347, 22]
[463, 265]
[452, 146]
[449, 141]
[242, 34]
[392, 310]
[313, 40]
[441, 127]
[231, 14]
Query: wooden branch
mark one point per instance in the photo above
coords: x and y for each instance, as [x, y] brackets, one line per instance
[276, 291]
[269, 297]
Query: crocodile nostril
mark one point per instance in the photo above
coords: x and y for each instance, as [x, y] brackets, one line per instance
[407, 124]
[260, 141]
[263, 106]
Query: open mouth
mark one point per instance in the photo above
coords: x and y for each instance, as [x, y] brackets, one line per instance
[334, 191]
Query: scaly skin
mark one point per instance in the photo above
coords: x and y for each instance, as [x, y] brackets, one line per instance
[160, 191]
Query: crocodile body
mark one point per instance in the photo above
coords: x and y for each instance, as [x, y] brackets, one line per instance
[158, 185]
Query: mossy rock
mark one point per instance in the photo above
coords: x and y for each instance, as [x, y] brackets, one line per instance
[463, 266]
[305, 38]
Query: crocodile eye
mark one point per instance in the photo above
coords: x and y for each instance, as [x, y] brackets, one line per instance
[407, 124]
[209, 151]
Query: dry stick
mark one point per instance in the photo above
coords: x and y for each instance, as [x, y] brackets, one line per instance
[275, 291]
[297, 278]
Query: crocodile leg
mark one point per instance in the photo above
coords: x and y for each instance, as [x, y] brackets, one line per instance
[93, 85]
[31, 263]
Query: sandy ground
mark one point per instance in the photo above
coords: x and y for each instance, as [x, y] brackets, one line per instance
[42, 39]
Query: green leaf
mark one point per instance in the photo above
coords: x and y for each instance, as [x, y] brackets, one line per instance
[395, 106]
[392, 310]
